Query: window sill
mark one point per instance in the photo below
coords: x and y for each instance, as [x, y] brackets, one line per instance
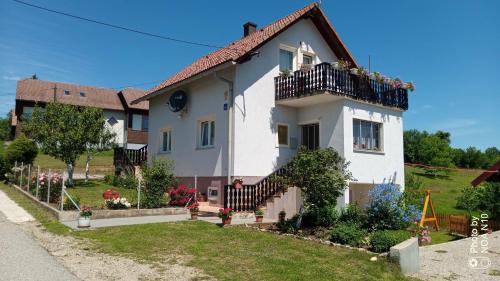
[282, 146]
[205, 147]
[379, 152]
[164, 152]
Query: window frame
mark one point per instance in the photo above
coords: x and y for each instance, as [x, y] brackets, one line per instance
[294, 57]
[132, 122]
[162, 138]
[210, 134]
[278, 144]
[380, 147]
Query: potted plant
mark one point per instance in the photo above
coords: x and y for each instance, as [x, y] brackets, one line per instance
[342, 65]
[282, 216]
[194, 209]
[409, 86]
[238, 183]
[285, 73]
[397, 83]
[84, 219]
[259, 215]
[226, 214]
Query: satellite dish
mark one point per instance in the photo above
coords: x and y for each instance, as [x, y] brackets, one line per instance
[177, 101]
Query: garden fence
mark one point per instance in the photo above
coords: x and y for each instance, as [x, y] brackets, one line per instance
[462, 225]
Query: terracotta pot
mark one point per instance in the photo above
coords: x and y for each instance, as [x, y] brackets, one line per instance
[226, 220]
[194, 216]
[258, 218]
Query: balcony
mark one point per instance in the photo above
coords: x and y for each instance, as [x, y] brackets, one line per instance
[326, 81]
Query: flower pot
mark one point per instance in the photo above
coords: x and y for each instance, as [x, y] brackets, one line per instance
[226, 220]
[194, 216]
[282, 218]
[237, 185]
[83, 222]
[258, 218]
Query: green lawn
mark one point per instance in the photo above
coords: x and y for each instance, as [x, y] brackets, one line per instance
[226, 253]
[239, 253]
[449, 187]
[90, 193]
[102, 162]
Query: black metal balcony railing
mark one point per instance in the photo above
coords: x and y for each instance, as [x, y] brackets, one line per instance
[324, 77]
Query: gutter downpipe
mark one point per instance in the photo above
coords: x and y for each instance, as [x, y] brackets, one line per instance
[230, 126]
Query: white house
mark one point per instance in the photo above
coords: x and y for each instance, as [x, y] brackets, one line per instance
[235, 114]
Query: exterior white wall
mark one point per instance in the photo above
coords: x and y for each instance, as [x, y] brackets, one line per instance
[256, 116]
[118, 128]
[375, 167]
[205, 99]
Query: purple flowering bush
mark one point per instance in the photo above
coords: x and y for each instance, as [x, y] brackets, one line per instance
[386, 208]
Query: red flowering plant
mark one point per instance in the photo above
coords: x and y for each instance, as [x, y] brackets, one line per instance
[179, 196]
[86, 212]
[225, 213]
[194, 207]
[110, 194]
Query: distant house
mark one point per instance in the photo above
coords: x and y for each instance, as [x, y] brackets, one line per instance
[490, 175]
[240, 113]
[129, 121]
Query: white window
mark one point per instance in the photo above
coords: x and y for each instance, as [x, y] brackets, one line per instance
[286, 60]
[282, 134]
[166, 141]
[136, 122]
[366, 135]
[307, 59]
[206, 133]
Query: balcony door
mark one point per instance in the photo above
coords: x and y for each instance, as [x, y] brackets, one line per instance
[310, 136]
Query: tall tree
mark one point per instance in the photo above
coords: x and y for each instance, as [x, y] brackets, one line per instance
[98, 137]
[65, 132]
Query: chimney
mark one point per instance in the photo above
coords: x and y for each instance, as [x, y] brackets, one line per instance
[249, 28]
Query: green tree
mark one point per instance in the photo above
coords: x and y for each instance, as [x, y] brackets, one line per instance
[321, 174]
[436, 151]
[5, 128]
[64, 131]
[412, 140]
[491, 155]
[473, 158]
[98, 137]
[21, 150]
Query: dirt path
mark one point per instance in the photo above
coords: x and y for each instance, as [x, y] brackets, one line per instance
[75, 255]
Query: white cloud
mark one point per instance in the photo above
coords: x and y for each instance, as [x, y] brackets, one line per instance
[457, 123]
[11, 78]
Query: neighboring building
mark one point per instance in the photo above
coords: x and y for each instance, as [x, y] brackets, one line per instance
[490, 175]
[129, 122]
[244, 119]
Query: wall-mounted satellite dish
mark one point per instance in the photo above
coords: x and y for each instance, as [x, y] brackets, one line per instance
[177, 101]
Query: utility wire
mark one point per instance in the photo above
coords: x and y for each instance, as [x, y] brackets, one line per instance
[119, 27]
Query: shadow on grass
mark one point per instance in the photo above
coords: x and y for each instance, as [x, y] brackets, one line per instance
[432, 177]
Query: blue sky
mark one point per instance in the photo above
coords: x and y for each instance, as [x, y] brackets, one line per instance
[450, 49]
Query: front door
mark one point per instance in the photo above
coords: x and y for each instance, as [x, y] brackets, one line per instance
[310, 136]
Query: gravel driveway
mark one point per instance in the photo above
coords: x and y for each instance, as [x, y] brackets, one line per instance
[22, 258]
[461, 260]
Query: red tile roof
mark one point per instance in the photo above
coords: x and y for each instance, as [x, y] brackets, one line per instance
[131, 94]
[43, 91]
[495, 169]
[241, 48]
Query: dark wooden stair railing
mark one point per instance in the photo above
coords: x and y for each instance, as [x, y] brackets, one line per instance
[127, 159]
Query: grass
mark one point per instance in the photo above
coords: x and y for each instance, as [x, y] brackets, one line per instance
[41, 214]
[239, 253]
[90, 193]
[448, 186]
[442, 236]
[235, 253]
[102, 162]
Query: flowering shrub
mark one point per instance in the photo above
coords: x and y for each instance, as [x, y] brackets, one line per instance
[225, 213]
[194, 207]
[55, 186]
[179, 196]
[110, 194]
[425, 236]
[117, 203]
[158, 177]
[386, 208]
[86, 212]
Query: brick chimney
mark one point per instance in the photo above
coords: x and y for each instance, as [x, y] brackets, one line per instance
[249, 28]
